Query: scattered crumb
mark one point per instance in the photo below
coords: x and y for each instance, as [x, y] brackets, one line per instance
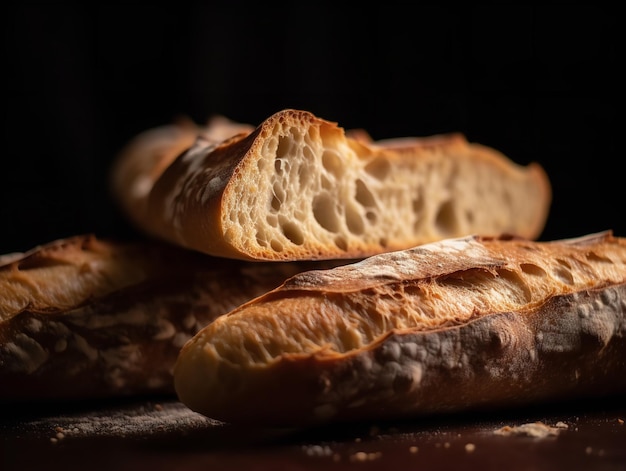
[413, 449]
[318, 450]
[590, 451]
[58, 435]
[362, 456]
[446, 445]
[158, 407]
[620, 421]
[534, 430]
[470, 447]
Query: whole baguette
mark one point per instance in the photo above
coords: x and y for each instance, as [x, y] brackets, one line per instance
[455, 325]
[300, 187]
[87, 318]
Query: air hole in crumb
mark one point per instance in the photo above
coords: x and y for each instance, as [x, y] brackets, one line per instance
[564, 263]
[272, 220]
[518, 284]
[445, 221]
[293, 233]
[324, 212]
[532, 269]
[564, 275]
[594, 257]
[371, 216]
[354, 221]
[276, 246]
[278, 196]
[275, 203]
[261, 241]
[284, 147]
[341, 243]
[363, 195]
[379, 168]
[332, 163]
[280, 166]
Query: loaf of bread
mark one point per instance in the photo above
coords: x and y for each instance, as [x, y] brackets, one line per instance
[87, 318]
[142, 161]
[300, 187]
[456, 325]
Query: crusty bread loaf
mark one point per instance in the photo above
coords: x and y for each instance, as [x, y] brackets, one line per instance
[300, 187]
[84, 317]
[142, 161]
[459, 324]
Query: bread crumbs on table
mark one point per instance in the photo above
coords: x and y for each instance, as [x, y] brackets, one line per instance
[362, 456]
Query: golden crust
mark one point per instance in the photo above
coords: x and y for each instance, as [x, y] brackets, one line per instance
[84, 317]
[300, 187]
[454, 325]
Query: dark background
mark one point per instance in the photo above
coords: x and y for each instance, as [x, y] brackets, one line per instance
[539, 83]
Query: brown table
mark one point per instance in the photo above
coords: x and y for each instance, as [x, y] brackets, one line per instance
[162, 434]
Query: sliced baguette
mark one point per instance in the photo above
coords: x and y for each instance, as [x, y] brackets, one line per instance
[87, 318]
[455, 325]
[300, 187]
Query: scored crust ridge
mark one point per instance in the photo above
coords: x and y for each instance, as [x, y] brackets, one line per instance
[453, 325]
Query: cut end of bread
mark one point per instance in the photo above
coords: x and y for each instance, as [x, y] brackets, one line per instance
[299, 187]
[305, 190]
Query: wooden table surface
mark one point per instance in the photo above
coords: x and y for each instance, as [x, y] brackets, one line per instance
[162, 434]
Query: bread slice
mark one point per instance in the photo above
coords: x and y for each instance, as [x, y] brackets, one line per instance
[84, 317]
[455, 325]
[300, 187]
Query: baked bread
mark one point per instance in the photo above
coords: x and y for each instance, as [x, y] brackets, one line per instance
[142, 161]
[87, 318]
[300, 187]
[455, 325]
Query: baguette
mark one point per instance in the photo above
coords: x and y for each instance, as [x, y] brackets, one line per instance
[460, 324]
[85, 318]
[142, 161]
[300, 187]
